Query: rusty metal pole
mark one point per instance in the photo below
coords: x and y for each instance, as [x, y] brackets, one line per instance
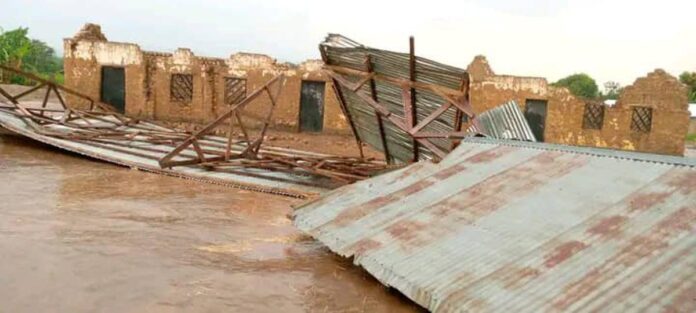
[412, 75]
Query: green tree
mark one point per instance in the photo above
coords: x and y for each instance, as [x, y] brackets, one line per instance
[612, 90]
[689, 79]
[581, 85]
[42, 59]
[19, 51]
[14, 45]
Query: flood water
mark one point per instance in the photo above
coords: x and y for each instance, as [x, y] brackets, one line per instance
[78, 235]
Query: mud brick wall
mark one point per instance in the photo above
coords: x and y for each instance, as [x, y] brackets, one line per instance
[148, 77]
[670, 121]
[564, 122]
[82, 66]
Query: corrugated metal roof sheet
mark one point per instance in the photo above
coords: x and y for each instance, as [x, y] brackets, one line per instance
[503, 122]
[144, 155]
[340, 51]
[523, 227]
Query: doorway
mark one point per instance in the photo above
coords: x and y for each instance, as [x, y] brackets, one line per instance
[535, 113]
[312, 106]
[113, 87]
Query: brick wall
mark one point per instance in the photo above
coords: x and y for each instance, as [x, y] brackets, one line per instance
[564, 123]
[148, 76]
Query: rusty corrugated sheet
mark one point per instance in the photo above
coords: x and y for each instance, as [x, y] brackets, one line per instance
[523, 227]
[143, 155]
[503, 122]
[338, 50]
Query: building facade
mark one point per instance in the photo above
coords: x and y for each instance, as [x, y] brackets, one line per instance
[186, 89]
[650, 116]
[181, 88]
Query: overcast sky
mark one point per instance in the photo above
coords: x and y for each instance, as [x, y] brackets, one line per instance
[608, 39]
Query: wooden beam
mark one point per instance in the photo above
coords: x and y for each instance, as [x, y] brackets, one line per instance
[441, 110]
[187, 142]
[26, 92]
[267, 122]
[364, 80]
[34, 109]
[441, 135]
[60, 98]
[462, 104]
[242, 127]
[410, 104]
[230, 133]
[346, 113]
[8, 96]
[394, 119]
[376, 105]
[170, 164]
[458, 114]
[395, 81]
[31, 76]
[380, 122]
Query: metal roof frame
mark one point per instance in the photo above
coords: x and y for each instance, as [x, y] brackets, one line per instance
[408, 107]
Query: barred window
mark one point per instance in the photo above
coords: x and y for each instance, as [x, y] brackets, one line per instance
[181, 88]
[594, 116]
[235, 89]
[641, 120]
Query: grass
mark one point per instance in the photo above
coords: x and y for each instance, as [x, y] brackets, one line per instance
[691, 138]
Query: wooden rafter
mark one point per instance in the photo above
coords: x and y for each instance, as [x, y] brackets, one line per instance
[410, 96]
[396, 120]
[252, 147]
[396, 81]
[380, 122]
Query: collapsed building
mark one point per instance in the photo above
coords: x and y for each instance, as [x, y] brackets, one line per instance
[185, 89]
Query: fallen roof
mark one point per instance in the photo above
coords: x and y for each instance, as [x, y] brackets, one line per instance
[244, 162]
[504, 226]
[406, 106]
[145, 156]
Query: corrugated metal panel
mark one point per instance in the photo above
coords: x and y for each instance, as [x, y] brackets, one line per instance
[341, 51]
[503, 122]
[523, 227]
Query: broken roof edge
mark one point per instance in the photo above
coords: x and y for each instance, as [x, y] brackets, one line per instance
[334, 40]
[592, 151]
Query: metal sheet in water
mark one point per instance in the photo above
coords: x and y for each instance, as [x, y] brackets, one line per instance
[503, 226]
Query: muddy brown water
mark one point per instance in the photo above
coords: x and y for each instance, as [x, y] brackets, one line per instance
[78, 235]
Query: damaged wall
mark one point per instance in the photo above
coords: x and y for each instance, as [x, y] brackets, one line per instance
[148, 77]
[658, 91]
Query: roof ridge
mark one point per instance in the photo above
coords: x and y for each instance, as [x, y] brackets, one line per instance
[592, 151]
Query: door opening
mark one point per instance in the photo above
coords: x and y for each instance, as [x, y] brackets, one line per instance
[535, 113]
[113, 87]
[312, 106]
